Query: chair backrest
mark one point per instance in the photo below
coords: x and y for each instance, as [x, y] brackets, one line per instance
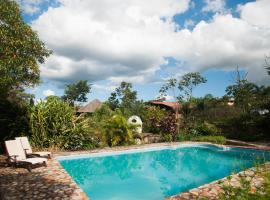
[14, 148]
[25, 144]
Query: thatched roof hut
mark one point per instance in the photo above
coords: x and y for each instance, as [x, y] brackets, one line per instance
[90, 107]
[174, 106]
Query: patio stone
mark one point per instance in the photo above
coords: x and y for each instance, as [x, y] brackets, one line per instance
[51, 182]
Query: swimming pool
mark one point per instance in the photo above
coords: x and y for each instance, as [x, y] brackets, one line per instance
[156, 173]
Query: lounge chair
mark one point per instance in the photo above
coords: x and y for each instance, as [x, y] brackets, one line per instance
[17, 156]
[28, 150]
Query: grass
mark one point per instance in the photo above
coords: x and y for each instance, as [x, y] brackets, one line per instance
[213, 139]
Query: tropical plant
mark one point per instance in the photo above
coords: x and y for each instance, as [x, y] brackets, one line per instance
[55, 124]
[118, 131]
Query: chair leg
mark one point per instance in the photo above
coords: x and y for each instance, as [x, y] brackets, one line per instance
[44, 164]
[29, 167]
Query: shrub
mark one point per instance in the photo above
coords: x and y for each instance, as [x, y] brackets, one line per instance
[166, 138]
[187, 135]
[207, 129]
[213, 139]
[98, 122]
[118, 131]
[54, 124]
[245, 190]
[152, 117]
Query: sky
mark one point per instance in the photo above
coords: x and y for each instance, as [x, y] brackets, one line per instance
[148, 42]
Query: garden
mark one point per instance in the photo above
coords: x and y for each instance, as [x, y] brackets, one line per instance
[54, 123]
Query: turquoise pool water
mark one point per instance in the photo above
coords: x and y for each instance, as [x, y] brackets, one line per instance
[153, 174]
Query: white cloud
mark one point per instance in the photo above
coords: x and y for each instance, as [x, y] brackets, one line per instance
[48, 92]
[169, 98]
[165, 97]
[100, 39]
[256, 13]
[128, 40]
[226, 42]
[189, 23]
[104, 87]
[214, 6]
[30, 6]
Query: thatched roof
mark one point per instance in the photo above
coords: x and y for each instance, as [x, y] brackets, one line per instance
[171, 105]
[90, 107]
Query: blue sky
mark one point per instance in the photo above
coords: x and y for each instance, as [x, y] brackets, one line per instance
[147, 42]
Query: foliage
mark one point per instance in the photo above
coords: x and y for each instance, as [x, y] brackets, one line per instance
[246, 127]
[267, 64]
[194, 135]
[167, 137]
[212, 139]
[152, 117]
[169, 125]
[188, 82]
[171, 84]
[183, 135]
[20, 51]
[54, 124]
[118, 131]
[185, 85]
[98, 122]
[245, 190]
[207, 128]
[77, 92]
[14, 118]
[123, 96]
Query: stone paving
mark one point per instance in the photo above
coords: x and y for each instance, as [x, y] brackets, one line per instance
[52, 182]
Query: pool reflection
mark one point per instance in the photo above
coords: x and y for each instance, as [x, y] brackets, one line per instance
[157, 174]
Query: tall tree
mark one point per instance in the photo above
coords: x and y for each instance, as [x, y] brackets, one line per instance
[185, 85]
[243, 91]
[123, 97]
[21, 51]
[188, 82]
[77, 92]
[267, 64]
[171, 84]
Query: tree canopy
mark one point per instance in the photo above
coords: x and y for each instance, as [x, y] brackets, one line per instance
[21, 51]
[185, 85]
[123, 96]
[77, 91]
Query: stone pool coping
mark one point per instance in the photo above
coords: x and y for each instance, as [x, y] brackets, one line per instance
[168, 144]
[53, 182]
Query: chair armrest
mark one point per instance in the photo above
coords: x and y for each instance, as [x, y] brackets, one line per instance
[25, 151]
